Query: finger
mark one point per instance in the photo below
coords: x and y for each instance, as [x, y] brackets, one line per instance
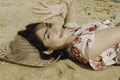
[41, 12]
[44, 4]
[63, 15]
[39, 8]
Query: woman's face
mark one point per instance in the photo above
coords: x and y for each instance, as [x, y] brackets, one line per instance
[53, 37]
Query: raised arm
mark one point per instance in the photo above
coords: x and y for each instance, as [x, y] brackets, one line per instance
[59, 9]
[63, 8]
[71, 14]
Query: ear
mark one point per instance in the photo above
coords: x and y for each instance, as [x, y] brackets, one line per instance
[49, 51]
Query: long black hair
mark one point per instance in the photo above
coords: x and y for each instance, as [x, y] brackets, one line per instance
[29, 34]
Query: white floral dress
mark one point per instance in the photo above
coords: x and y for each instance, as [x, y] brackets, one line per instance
[79, 50]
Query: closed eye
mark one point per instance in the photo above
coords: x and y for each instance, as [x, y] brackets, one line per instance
[45, 33]
[49, 25]
[48, 36]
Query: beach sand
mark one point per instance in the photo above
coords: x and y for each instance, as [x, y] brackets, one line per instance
[16, 14]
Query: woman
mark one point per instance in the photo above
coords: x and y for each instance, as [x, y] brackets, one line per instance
[86, 43]
[27, 49]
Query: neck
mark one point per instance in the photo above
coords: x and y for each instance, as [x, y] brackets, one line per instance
[71, 40]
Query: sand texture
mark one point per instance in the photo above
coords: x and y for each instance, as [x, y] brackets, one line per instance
[16, 14]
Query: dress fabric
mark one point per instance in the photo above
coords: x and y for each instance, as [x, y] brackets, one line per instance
[79, 50]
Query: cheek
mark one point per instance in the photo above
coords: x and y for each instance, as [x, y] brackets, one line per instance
[58, 42]
[61, 42]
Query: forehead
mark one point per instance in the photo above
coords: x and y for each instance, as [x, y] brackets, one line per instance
[41, 26]
[40, 30]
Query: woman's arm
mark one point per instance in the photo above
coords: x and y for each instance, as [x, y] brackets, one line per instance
[71, 15]
[64, 9]
[53, 10]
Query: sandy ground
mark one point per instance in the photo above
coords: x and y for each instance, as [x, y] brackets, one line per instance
[16, 14]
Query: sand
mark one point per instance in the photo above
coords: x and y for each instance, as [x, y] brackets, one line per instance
[16, 14]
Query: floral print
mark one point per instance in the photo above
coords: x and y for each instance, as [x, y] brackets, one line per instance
[79, 50]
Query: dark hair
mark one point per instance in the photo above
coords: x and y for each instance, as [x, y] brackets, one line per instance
[29, 34]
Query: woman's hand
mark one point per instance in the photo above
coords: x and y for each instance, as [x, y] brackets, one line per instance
[51, 10]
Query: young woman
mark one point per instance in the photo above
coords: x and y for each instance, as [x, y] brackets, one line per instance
[27, 49]
[95, 43]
